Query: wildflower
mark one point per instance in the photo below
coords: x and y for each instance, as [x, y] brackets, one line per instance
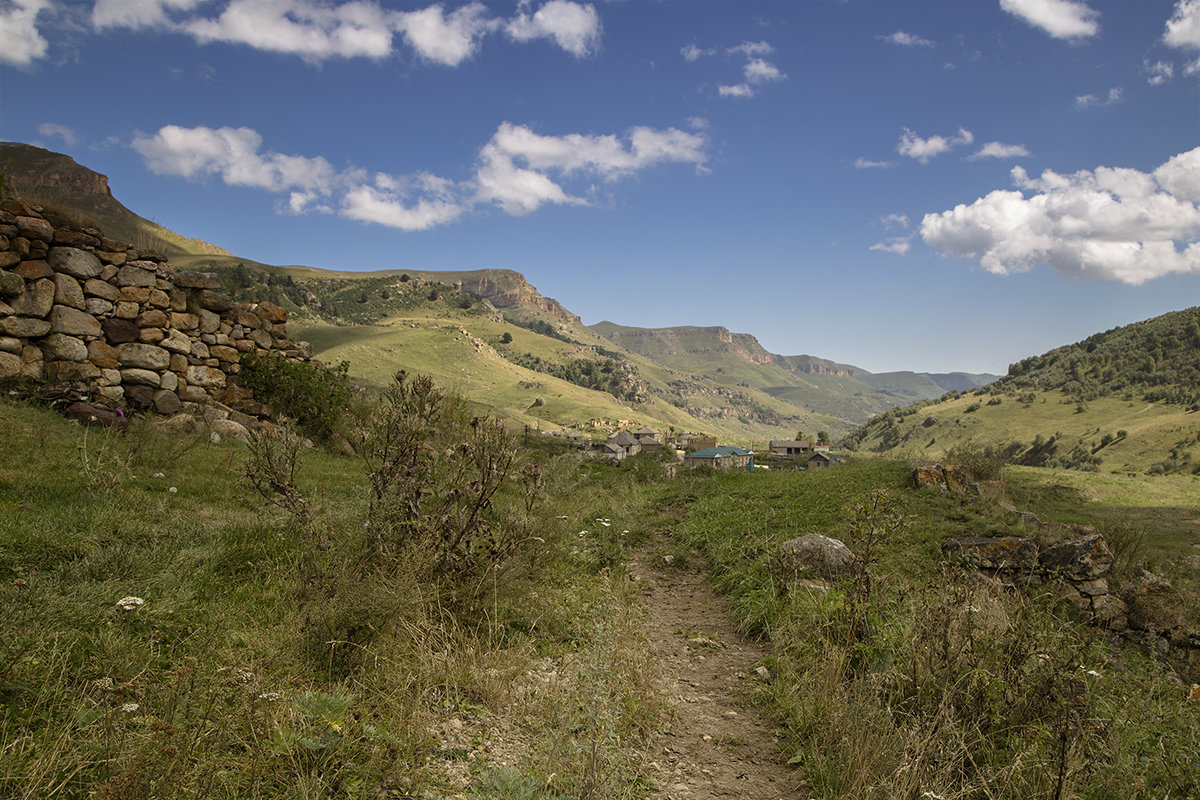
[173, 490]
[129, 708]
[270, 697]
[562, 516]
[1093, 673]
[130, 603]
[605, 524]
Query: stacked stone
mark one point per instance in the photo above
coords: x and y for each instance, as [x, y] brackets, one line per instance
[78, 308]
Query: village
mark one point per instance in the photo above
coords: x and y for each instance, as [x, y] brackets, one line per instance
[695, 450]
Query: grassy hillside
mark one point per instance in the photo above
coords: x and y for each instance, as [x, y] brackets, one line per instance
[1127, 400]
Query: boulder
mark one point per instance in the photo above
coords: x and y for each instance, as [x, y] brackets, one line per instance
[1010, 553]
[68, 292]
[1110, 611]
[33, 270]
[73, 322]
[119, 331]
[143, 356]
[151, 319]
[102, 289]
[139, 396]
[135, 376]
[227, 427]
[36, 300]
[35, 228]
[166, 402]
[10, 365]
[1154, 604]
[24, 327]
[214, 301]
[59, 347]
[102, 355]
[177, 342]
[270, 312]
[197, 280]
[135, 276]
[72, 261]
[812, 556]
[11, 284]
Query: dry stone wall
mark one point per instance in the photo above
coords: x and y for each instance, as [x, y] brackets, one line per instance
[81, 309]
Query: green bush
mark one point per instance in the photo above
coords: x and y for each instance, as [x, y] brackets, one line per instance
[315, 396]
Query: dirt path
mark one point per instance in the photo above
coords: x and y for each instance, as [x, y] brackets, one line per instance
[718, 744]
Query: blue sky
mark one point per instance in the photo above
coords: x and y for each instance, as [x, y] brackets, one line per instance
[899, 185]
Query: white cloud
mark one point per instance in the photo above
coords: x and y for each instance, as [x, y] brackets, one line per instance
[736, 90]
[1106, 224]
[906, 40]
[317, 30]
[899, 245]
[892, 221]
[442, 39]
[52, 129]
[517, 170]
[574, 27]
[866, 163]
[1062, 19]
[1000, 150]
[752, 49]
[20, 42]
[1159, 72]
[698, 123]
[923, 150]
[758, 70]
[299, 27]
[137, 13]
[693, 52]
[1115, 95]
[1183, 28]
[233, 154]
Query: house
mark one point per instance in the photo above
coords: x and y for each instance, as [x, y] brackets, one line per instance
[790, 448]
[649, 443]
[627, 441]
[819, 460]
[613, 452]
[723, 457]
[642, 433]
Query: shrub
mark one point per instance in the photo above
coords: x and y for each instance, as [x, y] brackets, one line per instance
[315, 396]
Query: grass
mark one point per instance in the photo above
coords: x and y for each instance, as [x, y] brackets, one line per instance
[212, 686]
[924, 682]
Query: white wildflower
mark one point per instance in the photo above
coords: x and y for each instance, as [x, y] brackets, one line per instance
[173, 490]
[130, 603]
[129, 708]
[270, 697]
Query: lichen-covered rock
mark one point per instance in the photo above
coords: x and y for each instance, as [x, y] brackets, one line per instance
[1110, 611]
[59, 347]
[945, 479]
[811, 556]
[11, 284]
[1011, 553]
[143, 356]
[1081, 559]
[271, 312]
[197, 280]
[36, 300]
[73, 322]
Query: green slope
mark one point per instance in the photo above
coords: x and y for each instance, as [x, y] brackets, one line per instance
[1126, 400]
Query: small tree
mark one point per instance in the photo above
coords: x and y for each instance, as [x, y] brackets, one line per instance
[822, 437]
[506, 338]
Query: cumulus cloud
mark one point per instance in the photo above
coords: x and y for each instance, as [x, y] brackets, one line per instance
[233, 155]
[1114, 96]
[573, 27]
[1183, 31]
[318, 30]
[752, 49]
[693, 52]
[923, 150]
[20, 42]
[756, 71]
[1104, 224]
[1062, 19]
[517, 170]
[897, 245]
[866, 163]
[1000, 150]
[52, 130]
[443, 39]
[735, 90]
[906, 40]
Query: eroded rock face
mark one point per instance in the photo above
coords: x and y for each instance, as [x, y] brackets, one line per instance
[812, 556]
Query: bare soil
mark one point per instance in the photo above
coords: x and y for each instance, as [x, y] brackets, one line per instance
[716, 743]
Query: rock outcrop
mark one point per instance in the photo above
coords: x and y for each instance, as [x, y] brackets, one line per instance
[813, 556]
[942, 478]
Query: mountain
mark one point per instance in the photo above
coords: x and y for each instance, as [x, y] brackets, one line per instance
[738, 359]
[61, 187]
[1126, 400]
[491, 335]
